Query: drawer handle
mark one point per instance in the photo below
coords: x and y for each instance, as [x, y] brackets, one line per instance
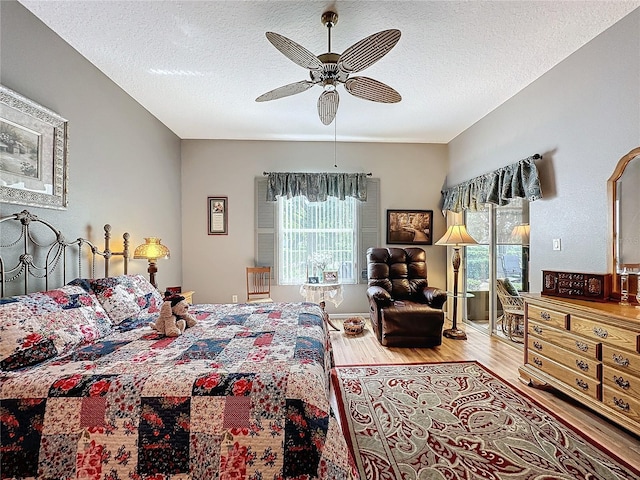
[537, 361]
[583, 347]
[582, 365]
[621, 382]
[537, 345]
[582, 384]
[620, 360]
[545, 316]
[600, 332]
[621, 404]
[537, 329]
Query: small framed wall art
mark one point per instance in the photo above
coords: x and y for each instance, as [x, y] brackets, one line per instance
[218, 209]
[409, 227]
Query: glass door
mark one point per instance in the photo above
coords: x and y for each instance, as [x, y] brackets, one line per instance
[478, 269]
[502, 252]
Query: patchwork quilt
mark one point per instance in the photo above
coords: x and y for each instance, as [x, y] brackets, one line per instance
[241, 395]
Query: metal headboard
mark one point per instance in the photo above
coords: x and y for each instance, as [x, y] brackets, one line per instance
[34, 255]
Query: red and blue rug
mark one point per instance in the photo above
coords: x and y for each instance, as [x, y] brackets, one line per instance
[459, 421]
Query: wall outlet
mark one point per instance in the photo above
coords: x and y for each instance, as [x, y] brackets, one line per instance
[234, 298]
[556, 244]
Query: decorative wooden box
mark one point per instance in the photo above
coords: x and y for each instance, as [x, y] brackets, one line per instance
[585, 286]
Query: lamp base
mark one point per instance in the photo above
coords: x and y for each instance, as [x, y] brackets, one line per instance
[454, 333]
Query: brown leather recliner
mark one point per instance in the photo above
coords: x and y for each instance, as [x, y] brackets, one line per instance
[404, 310]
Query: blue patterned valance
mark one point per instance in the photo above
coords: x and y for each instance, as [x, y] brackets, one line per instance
[519, 180]
[317, 186]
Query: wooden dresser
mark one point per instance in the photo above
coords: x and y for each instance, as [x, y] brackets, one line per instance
[589, 351]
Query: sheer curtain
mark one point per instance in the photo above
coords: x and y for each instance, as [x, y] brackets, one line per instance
[316, 186]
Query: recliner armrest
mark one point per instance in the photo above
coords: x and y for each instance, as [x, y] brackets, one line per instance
[435, 297]
[379, 294]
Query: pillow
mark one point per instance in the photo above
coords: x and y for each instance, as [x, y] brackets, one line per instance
[41, 325]
[126, 297]
[22, 340]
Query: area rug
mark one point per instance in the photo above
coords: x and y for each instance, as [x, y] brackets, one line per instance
[459, 421]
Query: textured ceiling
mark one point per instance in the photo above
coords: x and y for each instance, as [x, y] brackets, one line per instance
[199, 65]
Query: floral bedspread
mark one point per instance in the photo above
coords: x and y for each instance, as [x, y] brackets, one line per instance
[241, 395]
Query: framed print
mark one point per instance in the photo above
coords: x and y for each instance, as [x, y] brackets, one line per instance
[218, 210]
[409, 227]
[313, 280]
[330, 276]
[33, 153]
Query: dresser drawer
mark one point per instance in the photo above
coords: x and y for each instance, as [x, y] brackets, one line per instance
[622, 360]
[590, 367]
[580, 345]
[621, 402]
[577, 381]
[545, 316]
[609, 334]
[624, 383]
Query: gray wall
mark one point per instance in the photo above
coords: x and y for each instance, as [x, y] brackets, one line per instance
[124, 165]
[411, 176]
[583, 116]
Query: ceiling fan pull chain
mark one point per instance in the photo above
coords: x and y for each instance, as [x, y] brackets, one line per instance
[335, 142]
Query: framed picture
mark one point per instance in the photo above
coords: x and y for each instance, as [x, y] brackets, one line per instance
[218, 209]
[409, 227]
[313, 280]
[330, 276]
[33, 153]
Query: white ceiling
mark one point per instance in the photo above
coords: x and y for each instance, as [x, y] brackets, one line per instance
[199, 65]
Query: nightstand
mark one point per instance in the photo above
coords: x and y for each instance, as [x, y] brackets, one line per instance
[188, 296]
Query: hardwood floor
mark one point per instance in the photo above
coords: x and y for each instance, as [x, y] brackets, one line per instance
[501, 358]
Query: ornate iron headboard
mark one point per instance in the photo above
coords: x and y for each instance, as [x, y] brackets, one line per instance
[33, 257]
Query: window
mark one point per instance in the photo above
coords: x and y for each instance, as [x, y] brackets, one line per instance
[290, 230]
[321, 229]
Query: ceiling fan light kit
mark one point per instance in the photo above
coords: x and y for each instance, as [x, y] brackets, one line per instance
[329, 70]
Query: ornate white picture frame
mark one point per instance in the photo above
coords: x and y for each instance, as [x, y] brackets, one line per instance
[33, 153]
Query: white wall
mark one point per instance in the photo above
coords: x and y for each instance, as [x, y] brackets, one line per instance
[583, 116]
[124, 165]
[411, 176]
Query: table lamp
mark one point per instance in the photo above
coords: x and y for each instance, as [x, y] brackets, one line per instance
[151, 250]
[456, 236]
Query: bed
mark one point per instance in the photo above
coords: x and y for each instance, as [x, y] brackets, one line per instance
[88, 390]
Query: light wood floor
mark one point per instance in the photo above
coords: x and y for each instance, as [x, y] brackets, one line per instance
[500, 357]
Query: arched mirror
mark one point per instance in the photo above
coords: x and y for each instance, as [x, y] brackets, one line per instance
[624, 194]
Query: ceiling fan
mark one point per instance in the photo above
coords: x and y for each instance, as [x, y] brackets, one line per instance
[331, 69]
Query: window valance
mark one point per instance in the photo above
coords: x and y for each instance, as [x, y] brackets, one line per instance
[519, 180]
[316, 186]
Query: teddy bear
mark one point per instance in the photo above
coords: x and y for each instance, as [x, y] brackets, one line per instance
[174, 317]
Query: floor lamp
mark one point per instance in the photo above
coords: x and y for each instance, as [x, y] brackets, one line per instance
[456, 236]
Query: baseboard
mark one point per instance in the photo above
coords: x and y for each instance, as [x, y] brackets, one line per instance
[344, 316]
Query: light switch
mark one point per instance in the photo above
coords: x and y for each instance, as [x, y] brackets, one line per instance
[556, 244]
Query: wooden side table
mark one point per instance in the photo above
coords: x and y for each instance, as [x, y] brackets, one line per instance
[188, 296]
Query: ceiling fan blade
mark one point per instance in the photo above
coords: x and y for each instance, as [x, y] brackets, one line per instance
[370, 89]
[368, 51]
[285, 91]
[328, 106]
[294, 52]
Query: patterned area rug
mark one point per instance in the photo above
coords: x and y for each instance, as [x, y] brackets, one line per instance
[459, 421]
